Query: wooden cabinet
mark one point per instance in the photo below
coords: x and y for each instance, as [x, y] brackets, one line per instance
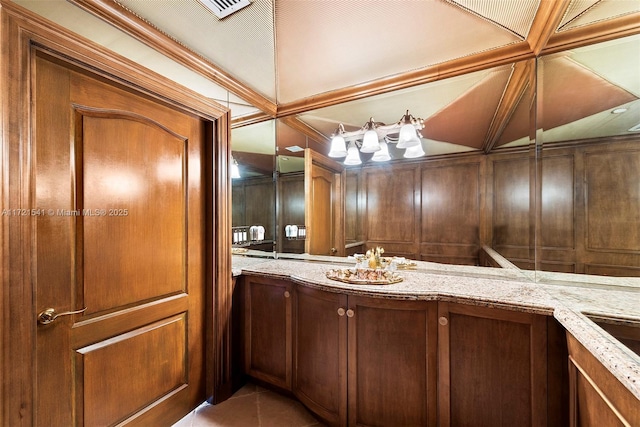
[597, 398]
[365, 361]
[492, 367]
[267, 328]
[392, 349]
[320, 353]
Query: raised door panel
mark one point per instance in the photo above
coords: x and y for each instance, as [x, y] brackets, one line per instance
[451, 204]
[392, 362]
[612, 201]
[320, 353]
[492, 367]
[268, 330]
[391, 206]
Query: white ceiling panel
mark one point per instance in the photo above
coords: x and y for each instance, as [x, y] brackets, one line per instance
[241, 44]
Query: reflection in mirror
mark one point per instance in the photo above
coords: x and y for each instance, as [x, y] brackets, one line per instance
[588, 132]
[468, 193]
[291, 144]
[253, 192]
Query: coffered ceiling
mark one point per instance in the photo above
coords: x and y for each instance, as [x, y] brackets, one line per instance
[465, 66]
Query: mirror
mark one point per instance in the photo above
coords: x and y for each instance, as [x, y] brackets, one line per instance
[253, 193]
[471, 189]
[588, 134]
[493, 178]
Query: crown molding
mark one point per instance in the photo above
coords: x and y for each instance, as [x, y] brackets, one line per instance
[128, 22]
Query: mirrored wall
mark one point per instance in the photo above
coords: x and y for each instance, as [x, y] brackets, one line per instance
[537, 160]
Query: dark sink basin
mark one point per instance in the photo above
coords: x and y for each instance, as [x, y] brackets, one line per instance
[624, 330]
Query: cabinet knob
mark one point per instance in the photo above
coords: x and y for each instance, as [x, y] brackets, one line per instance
[350, 313]
[443, 321]
[287, 294]
[341, 311]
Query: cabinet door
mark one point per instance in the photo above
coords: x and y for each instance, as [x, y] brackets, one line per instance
[320, 355]
[268, 330]
[492, 367]
[597, 398]
[392, 362]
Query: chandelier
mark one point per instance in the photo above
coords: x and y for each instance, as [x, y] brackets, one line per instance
[374, 137]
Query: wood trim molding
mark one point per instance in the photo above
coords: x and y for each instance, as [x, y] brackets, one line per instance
[126, 21]
[482, 61]
[545, 23]
[521, 79]
[624, 26]
[297, 124]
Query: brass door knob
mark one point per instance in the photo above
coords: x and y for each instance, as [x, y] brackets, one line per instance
[350, 313]
[48, 315]
[341, 311]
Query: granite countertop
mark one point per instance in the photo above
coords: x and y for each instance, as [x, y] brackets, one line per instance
[567, 301]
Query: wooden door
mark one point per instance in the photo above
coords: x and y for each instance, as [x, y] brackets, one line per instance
[268, 330]
[117, 178]
[392, 362]
[320, 353]
[324, 205]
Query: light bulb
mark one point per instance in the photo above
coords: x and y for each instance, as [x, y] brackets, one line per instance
[413, 152]
[370, 142]
[408, 136]
[338, 147]
[353, 156]
[383, 154]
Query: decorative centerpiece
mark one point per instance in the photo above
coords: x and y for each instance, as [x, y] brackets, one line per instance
[371, 269]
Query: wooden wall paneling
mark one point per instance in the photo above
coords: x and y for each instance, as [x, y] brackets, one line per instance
[290, 210]
[511, 208]
[393, 209]
[352, 220]
[451, 212]
[260, 203]
[612, 200]
[557, 213]
[238, 201]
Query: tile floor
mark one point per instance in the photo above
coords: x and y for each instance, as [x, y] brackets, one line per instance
[251, 406]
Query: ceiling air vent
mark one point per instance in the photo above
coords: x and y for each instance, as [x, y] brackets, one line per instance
[223, 8]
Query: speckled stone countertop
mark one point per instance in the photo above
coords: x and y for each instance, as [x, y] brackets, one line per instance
[567, 301]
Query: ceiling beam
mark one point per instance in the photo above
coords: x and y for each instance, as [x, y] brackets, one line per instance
[126, 21]
[545, 23]
[521, 81]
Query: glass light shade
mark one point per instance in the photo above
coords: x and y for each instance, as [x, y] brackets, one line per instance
[413, 152]
[383, 154]
[370, 142]
[353, 156]
[235, 170]
[408, 136]
[338, 147]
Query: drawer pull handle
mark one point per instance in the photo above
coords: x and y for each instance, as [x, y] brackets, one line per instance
[443, 321]
[341, 311]
[287, 294]
[350, 313]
